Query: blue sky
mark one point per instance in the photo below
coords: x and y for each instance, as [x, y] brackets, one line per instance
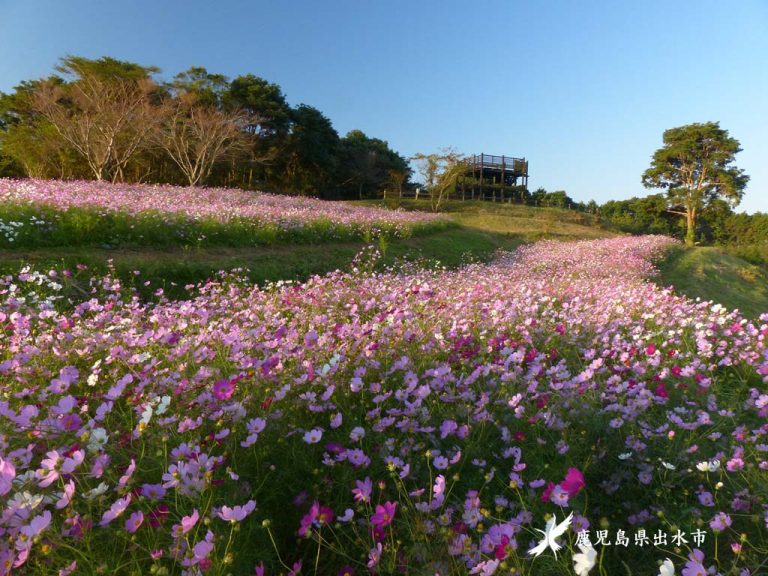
[584, 89]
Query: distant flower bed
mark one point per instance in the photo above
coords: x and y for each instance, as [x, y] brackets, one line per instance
[550, 413]
[51, 212]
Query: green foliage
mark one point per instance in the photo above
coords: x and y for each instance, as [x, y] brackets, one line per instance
[262, 101]
[209, 89]
[556, 199]
[311, 156]
[441, 172]
[105, 68]
[694, 166]
[368, 166]
[646, 215]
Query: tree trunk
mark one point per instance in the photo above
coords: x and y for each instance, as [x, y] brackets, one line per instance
[690, 235]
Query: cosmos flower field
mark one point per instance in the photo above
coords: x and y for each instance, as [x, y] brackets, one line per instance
[35, 213]
[419, 422]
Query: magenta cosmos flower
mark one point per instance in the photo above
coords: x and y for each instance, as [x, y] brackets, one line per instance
[223, 389]
[574, 482]
[384, 514]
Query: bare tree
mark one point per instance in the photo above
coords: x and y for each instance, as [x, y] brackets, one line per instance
[196, 136]
[440, 172]
[106, 120]
[396, 178]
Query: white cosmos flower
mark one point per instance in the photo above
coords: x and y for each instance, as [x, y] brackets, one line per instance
[585, 560]
[96, 492]
[625, 455]
[26, 500]
[163, 405]
[711, 466]
[97, 439]
[668, 466]
[667, 568]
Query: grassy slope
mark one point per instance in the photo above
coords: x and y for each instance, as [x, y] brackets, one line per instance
[712, 274]
[481, 230]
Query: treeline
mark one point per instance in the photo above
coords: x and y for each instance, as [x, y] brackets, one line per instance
[108, 119]
[718, 224]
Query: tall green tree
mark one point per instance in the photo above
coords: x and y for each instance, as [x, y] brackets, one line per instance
[208, 89]
[369, 165]
[264, 103]
[29, 142]
[311, 157]
[268, 122]
[695, 166]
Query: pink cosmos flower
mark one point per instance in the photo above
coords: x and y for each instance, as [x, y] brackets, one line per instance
[695, 564]
[128, 473]
[37, 525]
[486, 568]
[69, 569]
[66, 498]
[374, 555]
[440, 462]
[559, 496]
[188, 522]
[236, 513]
[439, 487]
[134, 521]
[49, 472]
[7, 474]
[200, 553]
[362, 492]
[720, 522]
[313, 436]
[153, 491]
[448, 427]
[117, 508]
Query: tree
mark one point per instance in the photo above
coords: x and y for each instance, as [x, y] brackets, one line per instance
[440, 172]
[29, 140]
[196, 135]
[311, 156]
[264, 103]
[269, 122]
[106, 113]
[366, 166]
[209, 89]
[694, 166]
